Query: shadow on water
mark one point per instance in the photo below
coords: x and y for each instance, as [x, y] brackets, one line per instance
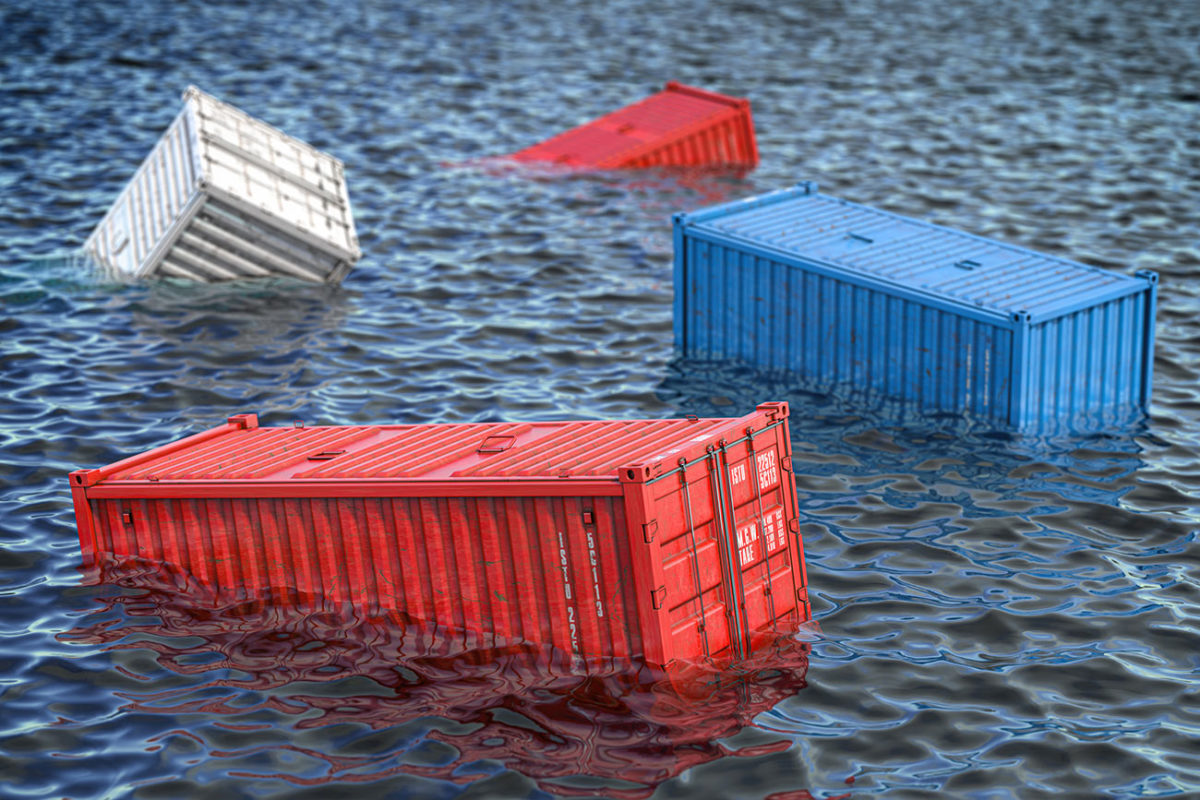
[395, 697]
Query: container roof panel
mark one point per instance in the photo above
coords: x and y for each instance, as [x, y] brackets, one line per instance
[443, 452]
[958, 267]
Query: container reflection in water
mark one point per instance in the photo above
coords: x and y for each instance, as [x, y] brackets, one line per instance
[620, 727]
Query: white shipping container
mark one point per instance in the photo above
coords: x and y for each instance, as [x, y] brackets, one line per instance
[224, 195]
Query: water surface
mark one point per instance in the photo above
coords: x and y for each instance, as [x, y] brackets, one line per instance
[1000, 616]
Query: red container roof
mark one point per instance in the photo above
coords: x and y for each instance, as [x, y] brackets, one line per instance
[618, 138]
[241, 451]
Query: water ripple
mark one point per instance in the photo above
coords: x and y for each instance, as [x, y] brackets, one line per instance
[1000, 616]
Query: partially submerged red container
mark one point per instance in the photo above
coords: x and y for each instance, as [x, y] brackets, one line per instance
[653, 539]
[681, 126]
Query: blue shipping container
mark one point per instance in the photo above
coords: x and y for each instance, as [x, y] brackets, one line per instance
[850, 295]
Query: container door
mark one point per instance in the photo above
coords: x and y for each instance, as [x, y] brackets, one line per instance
[689, 533]
[725, 567]
[755, 506]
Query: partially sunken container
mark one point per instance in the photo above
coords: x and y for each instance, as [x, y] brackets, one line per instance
[665, 540]
[224, 196]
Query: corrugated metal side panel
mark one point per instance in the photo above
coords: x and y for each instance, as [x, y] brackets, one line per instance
[151, 206]
[1088, 366]
[578, 147]
[733, 304]
[967, 269]
[680, 129]
[222, 242]
[727, 142]
[509, 568]
[275, 173]
[676, 127]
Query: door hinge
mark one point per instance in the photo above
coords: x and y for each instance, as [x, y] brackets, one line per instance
[649, 529]
[658, 596]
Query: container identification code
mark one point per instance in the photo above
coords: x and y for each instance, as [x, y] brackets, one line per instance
[595, 572]
[768, 469]
[572, 624]
[568, 591]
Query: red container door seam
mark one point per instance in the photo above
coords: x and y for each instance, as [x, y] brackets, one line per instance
[274, 535]
[733, 608]
[732, 585]
[725, 493]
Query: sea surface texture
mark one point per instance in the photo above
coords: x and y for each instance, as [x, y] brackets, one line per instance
[999, 615]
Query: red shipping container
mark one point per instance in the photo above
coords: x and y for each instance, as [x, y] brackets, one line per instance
[654, 539]
[680, 126]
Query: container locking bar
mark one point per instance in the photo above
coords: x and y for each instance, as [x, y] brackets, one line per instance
[687, 507]
[738, 586]
[728, 555]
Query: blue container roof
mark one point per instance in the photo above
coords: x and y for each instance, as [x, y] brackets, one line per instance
[957, 267]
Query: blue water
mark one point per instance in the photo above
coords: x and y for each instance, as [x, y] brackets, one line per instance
[999, 616]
